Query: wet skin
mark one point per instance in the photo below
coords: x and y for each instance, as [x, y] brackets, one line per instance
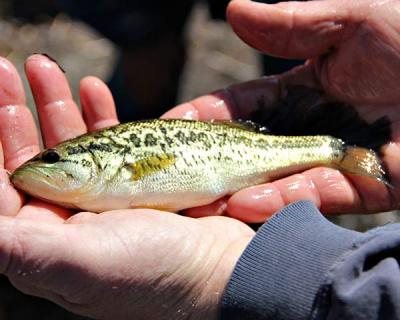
[98, 264]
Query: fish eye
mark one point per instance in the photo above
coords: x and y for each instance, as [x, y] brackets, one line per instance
[50, 156]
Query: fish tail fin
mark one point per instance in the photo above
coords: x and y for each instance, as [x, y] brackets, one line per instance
[362, 162]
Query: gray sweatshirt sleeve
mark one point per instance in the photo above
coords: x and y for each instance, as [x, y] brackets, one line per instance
[301, 266]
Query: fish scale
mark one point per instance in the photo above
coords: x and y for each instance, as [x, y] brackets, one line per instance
[177, 164]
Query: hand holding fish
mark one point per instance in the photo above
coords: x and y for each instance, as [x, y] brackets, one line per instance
[353, 57]
[156, 264]
[110, 265]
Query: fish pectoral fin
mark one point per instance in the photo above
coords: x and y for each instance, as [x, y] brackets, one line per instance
[150, 165]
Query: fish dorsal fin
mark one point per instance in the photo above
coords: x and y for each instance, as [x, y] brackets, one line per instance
[150, 165]
[247, 125]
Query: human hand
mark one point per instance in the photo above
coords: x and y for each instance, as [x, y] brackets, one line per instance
[352, 49]
[145, 264]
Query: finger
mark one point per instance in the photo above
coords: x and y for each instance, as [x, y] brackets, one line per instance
[391, 154]
[236, 101]
[217, 208]
[17, 128]
[218, 105]
[297, 30]
[183, 111]
[328, 189]
[97, 104]
[43, 212]
[59, 116]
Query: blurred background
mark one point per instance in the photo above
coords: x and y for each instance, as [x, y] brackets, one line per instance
[153, 56]
[202, 53]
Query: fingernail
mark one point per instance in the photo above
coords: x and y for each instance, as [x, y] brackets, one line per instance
[51, 59]
[5, 64]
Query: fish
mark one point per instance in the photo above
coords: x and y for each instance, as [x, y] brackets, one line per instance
[177, 164]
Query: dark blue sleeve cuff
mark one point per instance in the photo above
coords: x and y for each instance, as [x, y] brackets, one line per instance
[280, 272]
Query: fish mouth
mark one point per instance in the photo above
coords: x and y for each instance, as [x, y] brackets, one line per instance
[50, 184]
[36, 182]
[29, 177]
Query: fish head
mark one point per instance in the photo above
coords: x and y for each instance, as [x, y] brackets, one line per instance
[57, 175]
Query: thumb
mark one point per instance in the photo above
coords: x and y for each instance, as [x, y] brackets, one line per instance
[10, 199]
[296, 30]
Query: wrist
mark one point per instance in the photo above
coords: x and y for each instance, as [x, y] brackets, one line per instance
[281, 271]
[214, 287]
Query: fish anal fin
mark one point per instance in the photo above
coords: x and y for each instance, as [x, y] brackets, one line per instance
[150, 165]
[160, 207]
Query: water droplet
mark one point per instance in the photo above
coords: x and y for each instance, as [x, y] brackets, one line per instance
[190, 115]
[219, 104]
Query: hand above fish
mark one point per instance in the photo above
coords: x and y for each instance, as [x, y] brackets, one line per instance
[70, 257]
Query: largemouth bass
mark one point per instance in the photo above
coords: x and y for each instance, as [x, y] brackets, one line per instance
[177, 164]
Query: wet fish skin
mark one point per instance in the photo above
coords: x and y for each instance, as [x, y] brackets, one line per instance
[176, 164]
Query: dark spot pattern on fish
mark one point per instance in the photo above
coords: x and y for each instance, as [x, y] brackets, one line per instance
[169, 141]
[186, 161]
[150, 140]
[222, 136]
[135, 140]
[104, 147]
[73, 150]
[192, 137]
[94, 158]
[181, 137]
[163, 130]
[86, 163]
[120, 148]
[69, 161]
[124, 150]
